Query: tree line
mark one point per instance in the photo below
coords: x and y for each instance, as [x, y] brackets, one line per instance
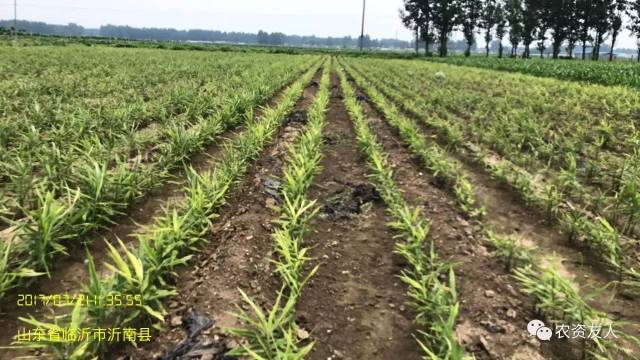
[530, 23]
[169, 34]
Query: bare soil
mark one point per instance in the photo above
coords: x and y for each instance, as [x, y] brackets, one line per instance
[354, 306]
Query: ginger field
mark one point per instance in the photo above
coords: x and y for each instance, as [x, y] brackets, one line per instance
[160, 204]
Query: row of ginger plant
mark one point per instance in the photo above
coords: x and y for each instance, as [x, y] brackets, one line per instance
[434, 300]
[580, 225]
[590, 158]
[556, 297]
[105, 192]
[106, 131]
[175, 235]
[273, 335]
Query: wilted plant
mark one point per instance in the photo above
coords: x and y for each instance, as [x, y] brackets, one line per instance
[463, 191]
[181, 143]
[97, 288]
[292, 255]
[629, 197]
[551, 201]
[56, 166]
[446, 170]
[567, 180]
[180, 229]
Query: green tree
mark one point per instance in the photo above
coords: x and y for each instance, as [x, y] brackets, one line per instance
[558, 17]
[277, 38]
[542, 38]
[410, 17]
[445, 18]
[471, 11]
[488, 22]
[585, 15]
[501, 27]
[417, 15]
[633, 11]
[600, 21]
[573, 27]
[617, 9]
[263, 37]
[329, 42]
[514, 16]
[543, 26]
[530, 23]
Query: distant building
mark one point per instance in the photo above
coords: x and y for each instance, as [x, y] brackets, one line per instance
[605, 55]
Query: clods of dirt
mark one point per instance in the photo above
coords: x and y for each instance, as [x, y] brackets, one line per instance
[194, 347]
[329, 140]
[349, 201]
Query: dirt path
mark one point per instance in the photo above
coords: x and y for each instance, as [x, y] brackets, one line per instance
[239, 250]
[493, 315]
[354, 306]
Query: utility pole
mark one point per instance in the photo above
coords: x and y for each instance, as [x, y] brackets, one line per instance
[364, 6]
[15, 20]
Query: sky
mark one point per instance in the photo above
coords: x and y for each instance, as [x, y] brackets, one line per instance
[322, 18]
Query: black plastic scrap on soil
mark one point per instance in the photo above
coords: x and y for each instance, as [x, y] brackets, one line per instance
[192, 347]
[273, 187]
[350, 201]
[297, 116]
